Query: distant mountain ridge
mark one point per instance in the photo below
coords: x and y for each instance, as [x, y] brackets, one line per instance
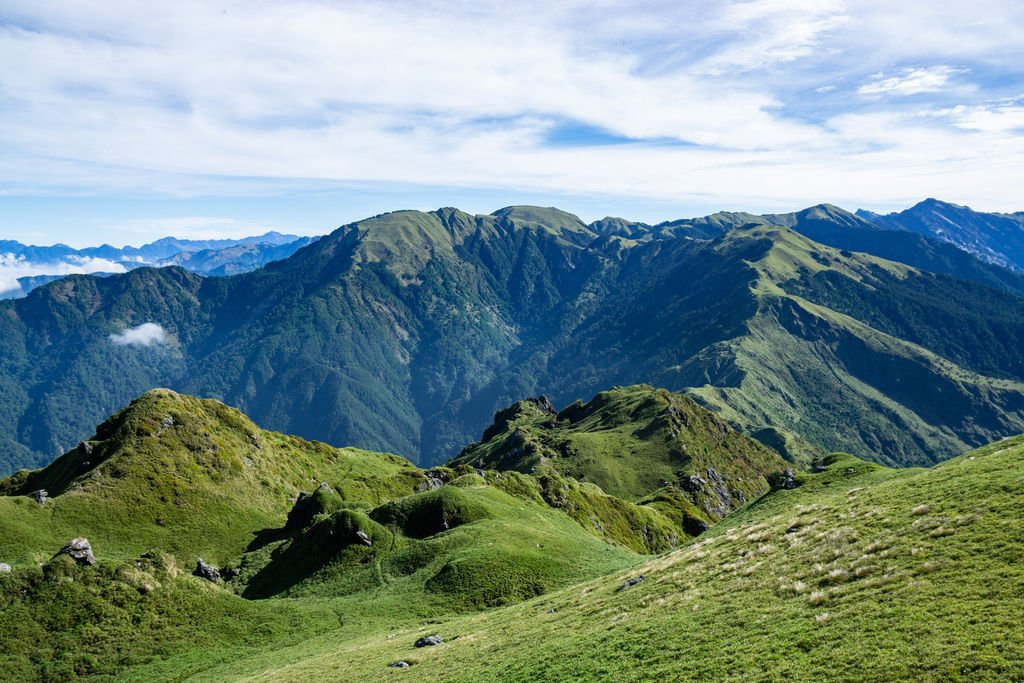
[405, 332]
[207, 257]
[994, 237]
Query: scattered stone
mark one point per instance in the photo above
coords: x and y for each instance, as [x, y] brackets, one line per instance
[792, 530]
[206, 571]
[630, 582]
[363, 537]
[168, 422]
[428, 641]
[40, 496]
[850, 470]
[79, 550]
[552, 611]
[399, 665]
[5, 568]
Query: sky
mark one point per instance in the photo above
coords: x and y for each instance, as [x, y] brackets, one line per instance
[124, 121]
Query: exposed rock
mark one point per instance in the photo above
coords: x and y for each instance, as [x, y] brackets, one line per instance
[428, 641]
[168, 422]
[691, 483]
[785, 479]
[206, 571]
[630, 582]
[40, 496]
[544, 404]
[84, 451]
[363, 537]
[79, 550]
[301, 513]
[694, 526]
[399, 665]
[435, 480]
[5, 568]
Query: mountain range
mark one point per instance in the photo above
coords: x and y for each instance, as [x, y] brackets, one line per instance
[994, 237]
[814, 331]
[521, 447]
[208, 257]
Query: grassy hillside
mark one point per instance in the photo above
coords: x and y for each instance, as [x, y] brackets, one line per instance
[186, 476]
[861, 573]
[372, 542]
[638, 443]
[858, 572]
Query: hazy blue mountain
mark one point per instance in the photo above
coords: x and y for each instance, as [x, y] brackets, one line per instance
[995, 237]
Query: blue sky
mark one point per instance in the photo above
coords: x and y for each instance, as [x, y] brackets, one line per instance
[124, 121]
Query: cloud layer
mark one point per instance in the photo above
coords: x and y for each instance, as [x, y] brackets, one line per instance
[755, 103]
[146, 334]
[13, 267]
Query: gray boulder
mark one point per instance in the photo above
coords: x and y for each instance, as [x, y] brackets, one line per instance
[630, 582]
[79, 550]
[363, 537]
[5, 568]
[206, 571]
[399, 665]
[428, 641]
[40, 496]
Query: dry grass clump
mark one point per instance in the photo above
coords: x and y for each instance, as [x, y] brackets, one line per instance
[862, 571]
[921, 510]
[876, 547]
[838, 575]
[818, 598]
[928, 568]
[822, 618]
[942, 531]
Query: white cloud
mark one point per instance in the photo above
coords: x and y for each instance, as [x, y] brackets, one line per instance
[14, 266]
[193, 98]
[910, 81]
[997, 118]
[146, 334]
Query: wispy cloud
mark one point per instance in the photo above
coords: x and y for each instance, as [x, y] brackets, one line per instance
[910, 81]
[193, 227]
[702, 98]
[146, 334]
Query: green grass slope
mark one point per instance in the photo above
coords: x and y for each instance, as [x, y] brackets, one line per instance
[377, 544]
[861, 573]
[187, 476]
[638, 443]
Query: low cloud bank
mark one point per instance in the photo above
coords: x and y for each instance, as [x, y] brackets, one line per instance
[146, 334]
[13, 267]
